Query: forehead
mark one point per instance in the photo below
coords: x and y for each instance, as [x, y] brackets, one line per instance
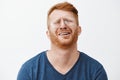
[61, 14]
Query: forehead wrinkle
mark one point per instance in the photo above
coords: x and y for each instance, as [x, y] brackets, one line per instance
[61, 13]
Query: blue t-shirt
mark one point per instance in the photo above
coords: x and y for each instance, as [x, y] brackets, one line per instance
[39, 68]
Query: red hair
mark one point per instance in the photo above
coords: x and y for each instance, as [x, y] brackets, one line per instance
[66, 7]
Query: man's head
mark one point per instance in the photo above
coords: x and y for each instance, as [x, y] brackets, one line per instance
[63, 25]
[66, 7]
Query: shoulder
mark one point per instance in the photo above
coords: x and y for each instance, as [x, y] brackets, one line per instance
[30, 66]
[32, 61]
[89, 60]
[95, 67]
[90, 63]
[35, 58]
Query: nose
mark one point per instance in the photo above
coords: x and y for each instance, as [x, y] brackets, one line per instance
[62, 24]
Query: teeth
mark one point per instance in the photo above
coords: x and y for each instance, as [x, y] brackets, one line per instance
[64, 33]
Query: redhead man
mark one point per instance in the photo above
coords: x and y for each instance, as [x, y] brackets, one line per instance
[63, 61]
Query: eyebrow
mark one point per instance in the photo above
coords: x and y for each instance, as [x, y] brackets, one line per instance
[63, 19]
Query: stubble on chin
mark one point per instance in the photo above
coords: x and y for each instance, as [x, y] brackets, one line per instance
[60, 43]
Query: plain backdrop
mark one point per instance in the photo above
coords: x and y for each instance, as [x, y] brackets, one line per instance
[23, 33]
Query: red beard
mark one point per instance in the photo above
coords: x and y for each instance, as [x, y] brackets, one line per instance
[65, 41]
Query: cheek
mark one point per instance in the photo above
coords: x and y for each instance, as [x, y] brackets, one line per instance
[53, 29]
[75, 31]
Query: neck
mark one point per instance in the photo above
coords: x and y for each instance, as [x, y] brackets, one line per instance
[65, 52]
[63, 58]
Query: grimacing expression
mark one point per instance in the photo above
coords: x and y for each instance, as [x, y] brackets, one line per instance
[63, 29]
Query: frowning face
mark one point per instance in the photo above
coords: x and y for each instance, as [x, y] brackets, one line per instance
[63, 29]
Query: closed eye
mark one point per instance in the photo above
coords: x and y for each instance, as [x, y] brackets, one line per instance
[57, 22]
[67, 21]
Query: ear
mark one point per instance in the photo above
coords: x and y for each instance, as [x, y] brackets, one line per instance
[48, 34]
[79, 30]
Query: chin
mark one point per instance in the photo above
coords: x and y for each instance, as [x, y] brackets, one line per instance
[65, 43]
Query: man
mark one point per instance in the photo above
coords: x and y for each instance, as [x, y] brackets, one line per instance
[63, 61]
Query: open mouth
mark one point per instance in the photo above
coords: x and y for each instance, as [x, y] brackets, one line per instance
[64, 33]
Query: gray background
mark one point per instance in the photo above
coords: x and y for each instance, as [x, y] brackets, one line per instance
[23, 33]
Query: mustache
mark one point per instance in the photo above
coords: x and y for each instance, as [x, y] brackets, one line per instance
[64, 30]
